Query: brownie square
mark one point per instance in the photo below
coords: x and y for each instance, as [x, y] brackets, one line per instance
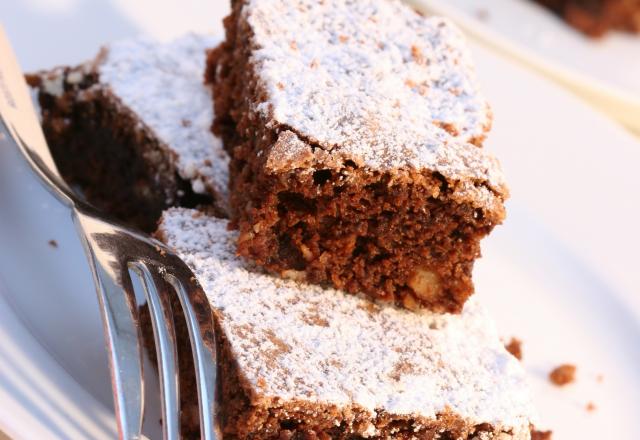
[130, 128]
[355, 131]
[597, 17]
[297, 361]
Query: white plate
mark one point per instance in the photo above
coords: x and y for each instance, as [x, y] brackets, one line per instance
[53, 377]
[605, 71]
[39, 398]
[560, 274]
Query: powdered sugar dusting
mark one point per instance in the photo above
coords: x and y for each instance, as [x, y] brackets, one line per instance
[374, 81]
[162, 83]
[294, 340]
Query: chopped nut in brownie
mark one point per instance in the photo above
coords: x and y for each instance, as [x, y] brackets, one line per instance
[563, 375]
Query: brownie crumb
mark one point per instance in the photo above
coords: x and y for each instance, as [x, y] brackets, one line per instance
[563, 375]
[600, 378]
[482, 14]
[53, 244]
[515, 348]
[541, 435]
[591, 407]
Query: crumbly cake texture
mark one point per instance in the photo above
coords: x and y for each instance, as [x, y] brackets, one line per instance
[597, 17]
[297, 359]
[131, 128]
[354, 129]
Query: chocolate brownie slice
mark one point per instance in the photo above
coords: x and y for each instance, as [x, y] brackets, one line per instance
[597, 17]
[354, 129]
[130, 128]
[300, 361]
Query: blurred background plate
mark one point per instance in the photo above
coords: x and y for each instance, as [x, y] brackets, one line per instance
[604, 71]
[561, 273]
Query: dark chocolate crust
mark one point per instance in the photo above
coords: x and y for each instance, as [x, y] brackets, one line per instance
[104, 153]
[597, 17]
[396, 236]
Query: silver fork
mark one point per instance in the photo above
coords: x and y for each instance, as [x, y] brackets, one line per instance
[114, 251]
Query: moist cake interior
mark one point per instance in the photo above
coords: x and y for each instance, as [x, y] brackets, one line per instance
[103, 153]
[130, 128]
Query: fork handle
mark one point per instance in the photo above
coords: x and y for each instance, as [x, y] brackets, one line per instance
[21, 121]
[125, 354]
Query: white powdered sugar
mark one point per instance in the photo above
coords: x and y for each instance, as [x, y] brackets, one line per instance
[163, 85]
[372, 81]
[299, 341]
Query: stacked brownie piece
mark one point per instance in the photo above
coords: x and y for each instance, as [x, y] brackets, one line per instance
[355, 131]
[130, 128]
[358, 193]
[597, 17]
[301, 361]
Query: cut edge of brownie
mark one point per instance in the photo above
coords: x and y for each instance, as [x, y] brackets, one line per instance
[92, 136]
[111, 145]
[307, 213]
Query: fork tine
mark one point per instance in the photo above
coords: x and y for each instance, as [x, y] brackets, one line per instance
[202, 337]
[121, 329]
[157, 292]
[108, 247]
